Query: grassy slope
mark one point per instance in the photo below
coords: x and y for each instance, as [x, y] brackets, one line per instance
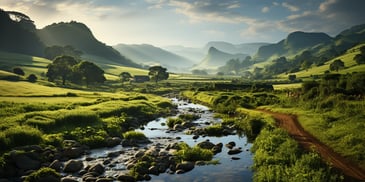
[37, 65]
[347, 58]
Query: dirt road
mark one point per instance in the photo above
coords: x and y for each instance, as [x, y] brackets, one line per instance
[305, 139]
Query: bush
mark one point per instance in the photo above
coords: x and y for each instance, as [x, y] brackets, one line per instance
[22, 135]
[195, 153]
[43, 174]
[77, 118]
[214, 130]
[90, 136]
[32, 78]
[134, 135]
[18, 71]
[171, 122]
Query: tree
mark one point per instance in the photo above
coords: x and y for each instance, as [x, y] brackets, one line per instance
[90, 72]
[18, 71]
[292, 77]
[336, 65]
[62, 66]
[158, 73]
[125, 76]
[32, 78]
[360, 58]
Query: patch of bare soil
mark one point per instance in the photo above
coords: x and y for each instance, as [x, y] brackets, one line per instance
[290, 123]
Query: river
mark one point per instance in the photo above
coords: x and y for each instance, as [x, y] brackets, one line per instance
[228, 169]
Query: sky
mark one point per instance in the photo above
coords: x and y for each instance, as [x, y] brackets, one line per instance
[194, 23]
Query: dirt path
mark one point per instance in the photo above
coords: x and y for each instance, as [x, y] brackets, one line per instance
[291, 124]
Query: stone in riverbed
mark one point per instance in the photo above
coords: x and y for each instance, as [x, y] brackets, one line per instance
[56, 165]
[185, 166]
[69, 179]
[97, 168]
[126, 178]
[24, 161]
[234, 151]
[230, 145]
[206, 145]
[73, 166]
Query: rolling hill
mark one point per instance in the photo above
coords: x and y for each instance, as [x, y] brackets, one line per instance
[18, 34]
[80, 37]
[146, 54]
[245, 48]
[216, 58]
[293, 44]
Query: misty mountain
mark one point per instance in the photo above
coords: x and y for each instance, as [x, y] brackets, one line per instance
[193, 54]
[216, 58]
[293, 44]
[79, 36]
[245, 48]
[17, 34]
[150, 55]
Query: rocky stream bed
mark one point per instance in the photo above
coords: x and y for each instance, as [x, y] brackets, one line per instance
[78, 163]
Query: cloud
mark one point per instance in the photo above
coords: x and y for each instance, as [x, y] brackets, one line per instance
[210, 11]
[290, 7]
[265, 9]
[330, 16]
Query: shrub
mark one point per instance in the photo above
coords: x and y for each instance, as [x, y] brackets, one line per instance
[23, 135]
[90, 136]
[171, 122]
[195, 153]
[134, 135]
[43, 174]
[18, 71]
[32, 78]
[214, 130]
[77, 118]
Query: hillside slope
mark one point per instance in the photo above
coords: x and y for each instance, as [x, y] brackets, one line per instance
[80, 37]
[216, 58]
[146, 54]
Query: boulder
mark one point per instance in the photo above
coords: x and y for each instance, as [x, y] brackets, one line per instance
[139, 154]
[73, 166]
[69, 179]
[234, 151]
[185, 166]
[24, 162]
[206, 145]
[97, 168]
[56, 165]
[73, 152]
[113, 141]
[126, 178]
[104, 180]
[230, 145]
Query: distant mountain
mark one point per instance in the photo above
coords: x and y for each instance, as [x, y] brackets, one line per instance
[245, 48]
[17, 34]
[295, 43]
[80, 37]
[149, 55]
[216, 58]
[193, 54]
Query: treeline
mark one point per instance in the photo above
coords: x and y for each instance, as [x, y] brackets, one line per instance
[351, 86]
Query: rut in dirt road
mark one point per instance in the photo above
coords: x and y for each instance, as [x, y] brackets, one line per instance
[305, 139]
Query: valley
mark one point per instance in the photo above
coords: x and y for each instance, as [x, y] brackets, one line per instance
[73, 108]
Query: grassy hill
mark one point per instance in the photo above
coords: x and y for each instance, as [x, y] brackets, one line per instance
[38, 65]
[347, 58]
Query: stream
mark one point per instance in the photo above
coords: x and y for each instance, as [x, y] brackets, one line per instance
[228, 169]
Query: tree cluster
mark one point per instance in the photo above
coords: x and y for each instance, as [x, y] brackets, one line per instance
[349, 84]
[54, 51]
[235, 66]
[68, 68]
[360, 58]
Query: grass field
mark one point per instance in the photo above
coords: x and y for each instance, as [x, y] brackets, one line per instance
[347, 58]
